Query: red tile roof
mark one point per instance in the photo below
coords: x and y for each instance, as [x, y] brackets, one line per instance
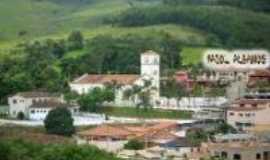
[106, 131]
[261, 73]
[244, 109]
[37, 94]
[123, 79]
[252, 101]
[157, 131]
[50, 104]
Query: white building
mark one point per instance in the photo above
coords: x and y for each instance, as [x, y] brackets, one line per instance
[21, 101]
[150, 71]
[35, 105]
[39, 110]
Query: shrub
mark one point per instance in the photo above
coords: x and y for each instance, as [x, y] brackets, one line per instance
[59, 121]
[134, 145]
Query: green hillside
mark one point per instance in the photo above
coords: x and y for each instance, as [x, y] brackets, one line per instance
[26, 20]
[40, 50]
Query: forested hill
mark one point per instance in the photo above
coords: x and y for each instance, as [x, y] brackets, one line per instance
[44, 44]
[28, 19]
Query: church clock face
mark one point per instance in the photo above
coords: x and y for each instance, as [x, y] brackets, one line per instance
[151, 61]
[146, 61]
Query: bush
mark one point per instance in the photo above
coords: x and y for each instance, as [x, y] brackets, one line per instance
[23, 150]
[4, 151]
[134, 145]
[59, 121]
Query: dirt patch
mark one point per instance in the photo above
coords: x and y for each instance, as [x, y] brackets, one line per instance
[32, 134]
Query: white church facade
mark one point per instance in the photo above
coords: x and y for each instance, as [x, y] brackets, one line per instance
[150, 71]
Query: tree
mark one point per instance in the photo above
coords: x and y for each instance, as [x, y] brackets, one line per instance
[225, 128]
[93, 100]
[75, 40]
[59, 121]
[197, 137]
[134, 144]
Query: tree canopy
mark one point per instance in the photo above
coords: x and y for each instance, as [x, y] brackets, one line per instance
[93, 100]
[59, 121]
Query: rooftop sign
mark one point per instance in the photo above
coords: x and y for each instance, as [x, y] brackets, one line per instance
[237, 60]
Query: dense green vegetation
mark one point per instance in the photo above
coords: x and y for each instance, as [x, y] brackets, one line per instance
[144, 113]
[233, 27]
[114, 33]
[261, 5]
[134, 144]
[18, 149]
[92, 101]
[44, 65]
[59, 121]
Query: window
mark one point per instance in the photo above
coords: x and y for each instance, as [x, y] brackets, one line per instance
[231, 114]
[258, 156]
[14, 101]
[254, 105]
[236, 157]
[241, 114]
[224, 155]
[32, 111]
[242, 105]
[247, 114]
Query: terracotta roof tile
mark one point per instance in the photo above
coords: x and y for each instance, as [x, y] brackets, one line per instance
[37, 94]
[106, 130]
[123, 79]
[261, 73]
[244, 109]
[50, 104]
[251, 101]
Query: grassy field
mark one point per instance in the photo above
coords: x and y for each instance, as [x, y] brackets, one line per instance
[3, 109]
[141, 113]
[32, 134]
[192, 55]
[55, 19]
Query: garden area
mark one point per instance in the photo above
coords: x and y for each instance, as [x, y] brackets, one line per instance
[144, 113]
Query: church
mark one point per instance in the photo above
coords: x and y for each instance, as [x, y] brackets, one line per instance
[150, 71]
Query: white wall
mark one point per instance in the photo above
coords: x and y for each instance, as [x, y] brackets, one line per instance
[84, 88]
[190, 103]
[18, 104]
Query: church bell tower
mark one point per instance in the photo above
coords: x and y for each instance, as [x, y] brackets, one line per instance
[150, 70]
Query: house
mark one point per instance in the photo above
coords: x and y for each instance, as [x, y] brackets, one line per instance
[114, 137]
[150, 71]
[182, 77]
[231, 137]
[251, 150]
[245, 114]
[36, 105]
[21, 101]
[40, 109]
[179, 146]
[258, 76]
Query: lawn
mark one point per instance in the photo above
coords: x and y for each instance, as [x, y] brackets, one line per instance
[192, 55]
[3, 109]
[142, 113]
[50, 19]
